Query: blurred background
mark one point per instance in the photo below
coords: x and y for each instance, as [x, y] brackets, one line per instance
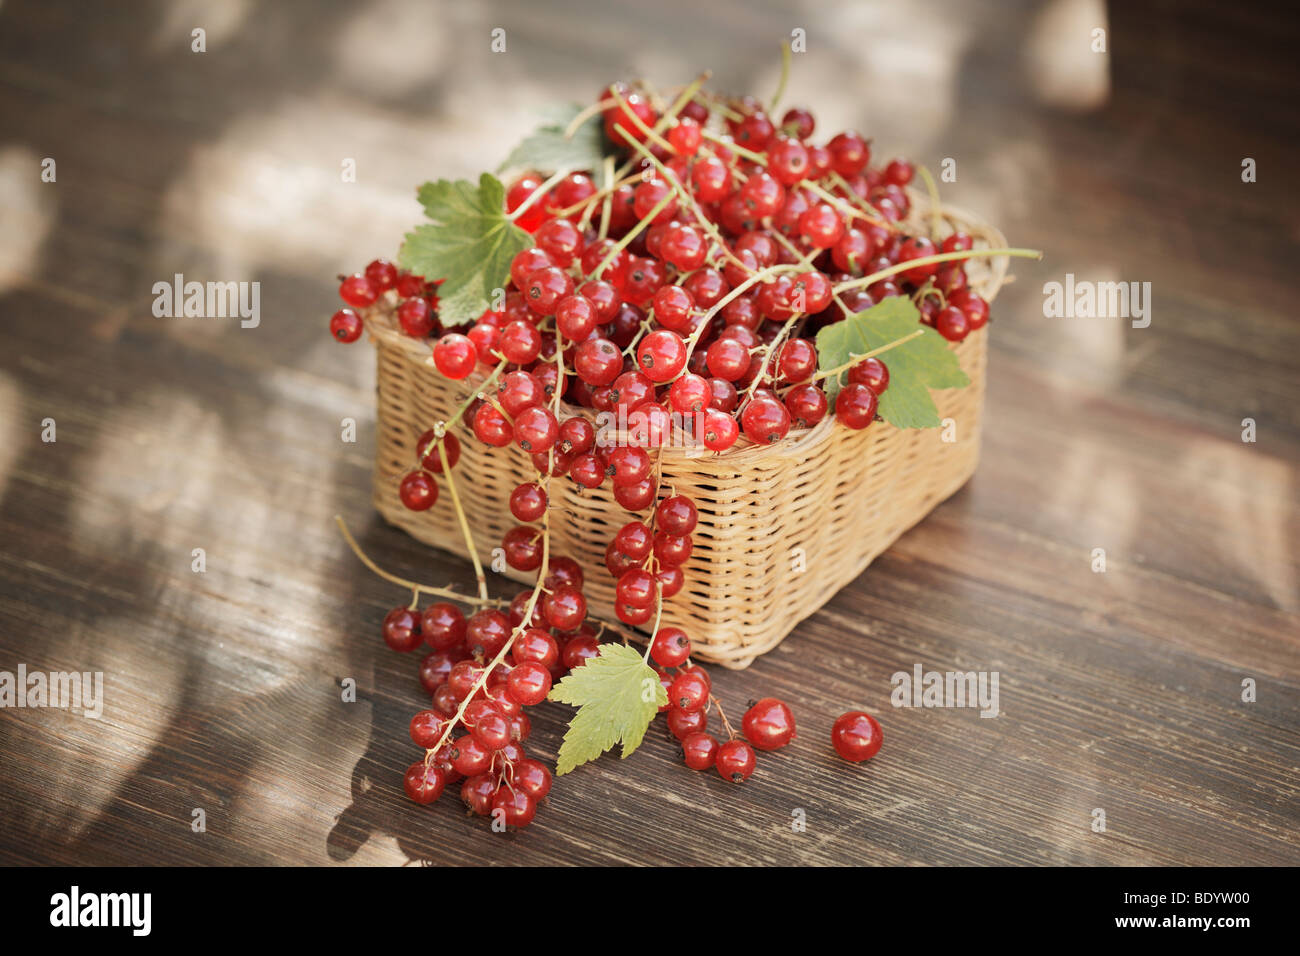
[1122, 163]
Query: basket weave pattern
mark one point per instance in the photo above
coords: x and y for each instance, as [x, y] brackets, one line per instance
[814, 509]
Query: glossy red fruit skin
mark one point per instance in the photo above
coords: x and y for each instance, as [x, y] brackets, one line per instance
[671, 647]
[681, 722]
[806, 404]
[856, 736]
[661, 355]
[426, 448]
[544, 289]
[765, 421]
[672, 550]
[523, 547]
[536, 429]
[424, 783]
[486, 632]
[529, 683]
[346, 325]
[720, 430]
[689, 692]
[636, 496]
[358, 291]
[700, 751]
[677, 515]
[491, 427]
[455, 355]
[632, 615]
[402, 629]
[560, 239]
[528, 502]
[855, 406]
[436, 668]
[515, 807]
[415, 318]
[629, 465]
[535, 645]
[952, 323]
[872, 373]
[532, 777]
[427, 728]
[477, 792]
[565, 608]
[769, 724]
[469, 757]
[578, 650]
[443, 626]
[598, 361]
[418, 491]
[735, 761]
[636, 588]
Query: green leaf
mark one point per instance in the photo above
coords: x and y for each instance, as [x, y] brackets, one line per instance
[548, 150]
[915, 367]
[469, 245]
[617, 695]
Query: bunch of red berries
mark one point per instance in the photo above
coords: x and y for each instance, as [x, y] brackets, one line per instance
[683, 296]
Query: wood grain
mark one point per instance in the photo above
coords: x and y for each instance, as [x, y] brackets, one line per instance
[1120, 691]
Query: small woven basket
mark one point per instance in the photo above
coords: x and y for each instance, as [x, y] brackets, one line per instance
[813, 509]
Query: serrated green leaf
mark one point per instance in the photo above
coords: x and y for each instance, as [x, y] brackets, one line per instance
[547, 150]
[915, 367]
[617, 695]
[469, 245]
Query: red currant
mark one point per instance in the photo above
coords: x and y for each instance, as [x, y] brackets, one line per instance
[856, 736]
[418, 491]
[346, 325]
[735, 761]
[402, 629]
[769, 724]
[700, 751]
[423, 782]
[454, 355]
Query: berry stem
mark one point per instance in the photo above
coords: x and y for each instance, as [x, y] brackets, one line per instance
[936, 208]
[847, 208]
[475, 393]
[640, 124]
[403, 582]
[537, 194]
[932, 260]
[768, 352]
[685, 196]
[854, 360]
[739, 150]
[731, 732]
[858, 201]
[785, 77]
[632, 233]
[464, 523]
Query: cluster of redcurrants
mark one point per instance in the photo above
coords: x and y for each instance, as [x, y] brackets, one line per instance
[488, 706]
[417, 301]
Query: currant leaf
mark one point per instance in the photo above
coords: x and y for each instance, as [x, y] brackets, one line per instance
[915, 366]
[547, 150]
[617, 695]
[469, 244]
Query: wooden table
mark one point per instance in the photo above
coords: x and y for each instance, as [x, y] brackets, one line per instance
[1120, 691]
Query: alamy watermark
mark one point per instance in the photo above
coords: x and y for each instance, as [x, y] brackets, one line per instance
[922, 688]
[209, 300]
[75, 908]
[69, 690]
[1083, 299]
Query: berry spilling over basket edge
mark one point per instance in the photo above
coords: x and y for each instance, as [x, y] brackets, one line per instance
[677, 296]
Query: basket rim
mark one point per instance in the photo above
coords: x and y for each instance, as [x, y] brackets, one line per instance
[382, 328]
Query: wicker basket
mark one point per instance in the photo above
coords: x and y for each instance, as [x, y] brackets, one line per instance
[818, 506]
